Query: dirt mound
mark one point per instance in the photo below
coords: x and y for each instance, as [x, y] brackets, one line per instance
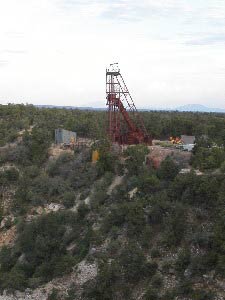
[158, 154]
[55, 151]
[7, 237]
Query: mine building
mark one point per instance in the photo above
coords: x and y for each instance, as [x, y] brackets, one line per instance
[65, 137]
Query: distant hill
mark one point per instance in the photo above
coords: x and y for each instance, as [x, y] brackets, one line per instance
[199, 108]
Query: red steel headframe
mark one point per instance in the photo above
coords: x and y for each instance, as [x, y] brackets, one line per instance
[125, 123]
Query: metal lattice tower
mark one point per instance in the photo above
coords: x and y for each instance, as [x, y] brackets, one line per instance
[125, 123]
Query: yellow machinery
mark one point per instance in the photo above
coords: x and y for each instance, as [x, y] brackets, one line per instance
[95, 156]
[175, 140]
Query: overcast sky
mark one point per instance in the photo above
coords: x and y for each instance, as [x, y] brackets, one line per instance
[170, 52]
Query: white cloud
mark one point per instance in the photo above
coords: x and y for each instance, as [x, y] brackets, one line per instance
[55, 51]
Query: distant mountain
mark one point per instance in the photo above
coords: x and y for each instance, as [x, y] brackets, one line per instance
[199, 108]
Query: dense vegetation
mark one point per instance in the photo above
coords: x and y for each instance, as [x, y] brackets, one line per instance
[93, 123]
[173, 226]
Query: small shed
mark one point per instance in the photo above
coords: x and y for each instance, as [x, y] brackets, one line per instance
[188, 139]
[63, 136]
[188, 142]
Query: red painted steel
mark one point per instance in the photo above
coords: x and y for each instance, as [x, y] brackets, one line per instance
[125, 123]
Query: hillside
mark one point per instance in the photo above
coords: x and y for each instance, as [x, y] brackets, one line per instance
[116, 229]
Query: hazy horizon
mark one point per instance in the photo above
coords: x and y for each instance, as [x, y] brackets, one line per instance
[184, 108]
[55, 52]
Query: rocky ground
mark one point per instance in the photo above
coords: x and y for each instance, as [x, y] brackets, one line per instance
[83, 272]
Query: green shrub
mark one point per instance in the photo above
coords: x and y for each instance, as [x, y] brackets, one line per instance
[183, 260]
[167, 265]
[9, 176]
[200, 264]
[151, 268]
[157, 281]
[84, 194]
[60, 166]
[32, 171]
[68, 199]
[146, 236]
[72, 294]
[114, 247]
[169, 295]
[133, 263]
[222, 167]
[135, 158]
[15, 280]
[6, 261]
[148, 184]
[151, 294]
[63, 265]
[208, 158]
[184, 288]
[43, 243]
[107, 160]
[203, 295]
[82, 210]
[168, 169]
[175, 225]
[219, 244]
[155, 253]
[103, 286]
[159, 206]
[53, 295]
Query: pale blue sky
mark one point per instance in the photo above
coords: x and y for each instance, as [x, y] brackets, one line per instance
[171, 52]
